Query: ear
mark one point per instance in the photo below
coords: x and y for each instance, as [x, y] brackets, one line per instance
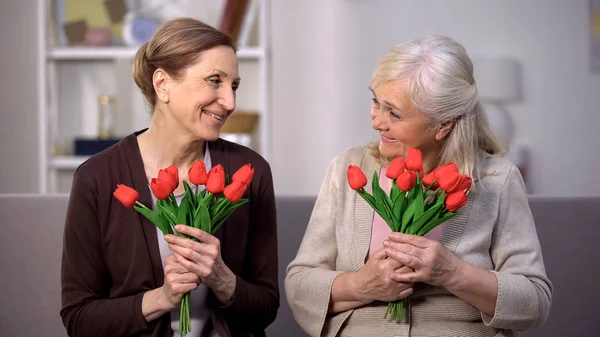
[444, 130]
[160, 81]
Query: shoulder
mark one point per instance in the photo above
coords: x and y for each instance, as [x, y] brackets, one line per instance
[101, 166]
[497, 172]
[351, 156]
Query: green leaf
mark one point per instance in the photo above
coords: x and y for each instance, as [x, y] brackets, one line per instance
[206, 198]
[431, 225]
[218, 207]
[183, 212]
[419, 201]
[368, 198]
[229, 210]
[394, 192]
[191, 194]
[159, 222]
[202, 221]
[422, 219]
[164, 209]
[407, 217]
[384, 204]
[398, 210]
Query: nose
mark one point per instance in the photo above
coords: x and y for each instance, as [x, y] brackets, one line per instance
[227, 99]
[377, 121]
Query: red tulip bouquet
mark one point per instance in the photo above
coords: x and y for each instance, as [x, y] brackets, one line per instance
[415, 204]
[206, 210]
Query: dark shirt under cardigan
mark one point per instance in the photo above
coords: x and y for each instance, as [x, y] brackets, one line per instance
[111, 255]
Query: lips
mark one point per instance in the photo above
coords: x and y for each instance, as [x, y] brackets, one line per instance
[218, 117]
[386, 139]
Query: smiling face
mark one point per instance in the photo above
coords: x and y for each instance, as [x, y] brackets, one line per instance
[202, 100]
[400, 125]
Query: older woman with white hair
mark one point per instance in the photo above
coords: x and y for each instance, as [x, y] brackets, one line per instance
[479, 274]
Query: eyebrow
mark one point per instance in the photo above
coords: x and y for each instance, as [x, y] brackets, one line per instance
[386, 102]
[224, 74]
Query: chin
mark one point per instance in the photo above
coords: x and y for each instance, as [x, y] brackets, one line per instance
[391, 150]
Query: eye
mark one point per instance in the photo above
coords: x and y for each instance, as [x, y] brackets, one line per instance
[216, 80]
[394, 115]
[235, 86]
[375, 102]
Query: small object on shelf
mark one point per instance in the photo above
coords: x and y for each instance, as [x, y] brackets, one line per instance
[75, 31]
[105, 116]
[116, 10]
[91, 146]
[138, 29]
[240, 122]
[97, 37]
[238, 128]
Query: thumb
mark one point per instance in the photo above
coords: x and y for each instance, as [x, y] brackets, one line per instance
[379, 254]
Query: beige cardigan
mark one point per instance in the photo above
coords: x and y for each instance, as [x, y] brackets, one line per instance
[494, 231]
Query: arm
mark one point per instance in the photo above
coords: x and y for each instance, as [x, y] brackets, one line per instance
[86, 308]
[256, 295]
[310, 276]
[524, 290]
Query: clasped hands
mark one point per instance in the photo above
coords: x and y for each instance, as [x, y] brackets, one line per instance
[390, 272]
[193, 263]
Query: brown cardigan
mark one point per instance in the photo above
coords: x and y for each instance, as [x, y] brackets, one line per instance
[111, 255]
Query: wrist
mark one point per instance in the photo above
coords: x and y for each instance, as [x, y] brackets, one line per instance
[357, 288]
[225, 289]
[456, 279]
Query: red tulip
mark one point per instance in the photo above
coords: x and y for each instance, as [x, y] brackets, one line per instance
[395, 168]
[464, 184]
[406, 181]
[414, 161]
[449, 181]
[170, 175]
[126, 195]
[428, 180]
[160, 188]
[216, 180]
[244, 174]
[235, 191]
[356, 177]
[440, 171]
[197, 173]
[456, 200]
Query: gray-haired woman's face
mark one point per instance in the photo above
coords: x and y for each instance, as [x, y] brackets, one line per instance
[400, 125]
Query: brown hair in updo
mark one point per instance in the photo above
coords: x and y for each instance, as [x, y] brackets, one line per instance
[174, 47]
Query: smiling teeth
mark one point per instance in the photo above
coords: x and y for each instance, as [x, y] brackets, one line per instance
[217, 117]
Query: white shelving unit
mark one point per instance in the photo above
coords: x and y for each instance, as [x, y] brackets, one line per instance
[56, 64]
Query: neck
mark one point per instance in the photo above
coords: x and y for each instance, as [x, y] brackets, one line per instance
[430, 161]
[164, 144]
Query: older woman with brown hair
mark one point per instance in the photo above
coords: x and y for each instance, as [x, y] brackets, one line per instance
[480, 274]
[119, 276]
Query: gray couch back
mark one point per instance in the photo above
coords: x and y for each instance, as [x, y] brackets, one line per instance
[30, 248]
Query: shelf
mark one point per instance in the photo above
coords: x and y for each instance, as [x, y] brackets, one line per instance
[66, 162]
[111, 53]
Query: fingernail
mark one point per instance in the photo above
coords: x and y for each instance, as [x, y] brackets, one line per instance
[391, 236]
[178, 227]
[386, 243]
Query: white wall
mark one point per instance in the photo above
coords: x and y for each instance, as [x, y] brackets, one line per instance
[18, 97]
[324, 56]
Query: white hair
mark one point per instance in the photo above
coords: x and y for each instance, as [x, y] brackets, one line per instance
[442, 86]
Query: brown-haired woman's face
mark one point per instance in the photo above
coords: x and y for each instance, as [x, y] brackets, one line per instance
[400, 124]
[205, 97]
